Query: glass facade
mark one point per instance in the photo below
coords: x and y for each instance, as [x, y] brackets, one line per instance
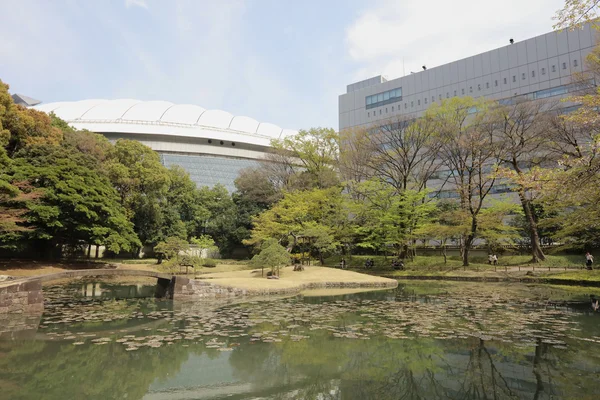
[208, 170]
[383, 98]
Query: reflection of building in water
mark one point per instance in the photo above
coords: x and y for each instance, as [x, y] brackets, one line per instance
[109, 291]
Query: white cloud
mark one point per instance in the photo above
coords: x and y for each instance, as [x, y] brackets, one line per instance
[136, 3]
[391, 34]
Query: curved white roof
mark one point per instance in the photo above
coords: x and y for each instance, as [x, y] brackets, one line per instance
[165, 118]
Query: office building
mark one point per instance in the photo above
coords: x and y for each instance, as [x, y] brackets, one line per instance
[538, 68]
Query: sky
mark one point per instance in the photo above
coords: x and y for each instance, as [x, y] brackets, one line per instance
[278, 61]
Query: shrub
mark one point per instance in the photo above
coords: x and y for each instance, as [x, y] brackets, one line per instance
[209, 263]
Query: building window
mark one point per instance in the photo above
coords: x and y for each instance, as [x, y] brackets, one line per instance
[487, 85]
[470, 89]
[479, 86]
[432, 99]
[574, 63]
[440, 96]
[505, 81]
[543, 71]
[564, 65]
[462, 90]
[405, 106]
[496, 82]
[455, 93]
[392, 108]
[383, 98]
[554, 68]
[425, 100]
[368, 114]
[419, 102]
[412, 104]
[447, 95]
[523, 76]
[514, 78]
[533, 74]
[380, 111]
[386, 110]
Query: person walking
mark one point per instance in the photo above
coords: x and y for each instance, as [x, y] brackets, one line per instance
[490, 259]
[495, 259]
[589, 260]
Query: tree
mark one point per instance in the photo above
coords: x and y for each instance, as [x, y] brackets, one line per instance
[520, 130]
[316, 151]
[221, 221]
[78, 206]
[170, 248]
[404, 152]
[272, 255]
[385, 217]
[301, 214]
[142, 182]
[470, 154]
[576, 13]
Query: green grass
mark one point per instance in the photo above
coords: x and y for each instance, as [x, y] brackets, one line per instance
[454, 262]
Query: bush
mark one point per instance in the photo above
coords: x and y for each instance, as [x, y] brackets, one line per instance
[209, 263]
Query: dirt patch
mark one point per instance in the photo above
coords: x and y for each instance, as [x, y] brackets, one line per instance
[289, 279]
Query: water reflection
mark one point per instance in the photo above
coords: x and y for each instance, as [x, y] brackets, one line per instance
[115, 291]
[345, 347]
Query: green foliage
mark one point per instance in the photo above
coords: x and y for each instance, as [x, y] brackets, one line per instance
[171, 247]
[384, 217]
[208, 263]
[311, 218]
[317, 151]
[272, 255]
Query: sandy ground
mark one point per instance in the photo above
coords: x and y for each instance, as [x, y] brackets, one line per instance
[251, 279]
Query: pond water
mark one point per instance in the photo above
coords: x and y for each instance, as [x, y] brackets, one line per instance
[423, 340]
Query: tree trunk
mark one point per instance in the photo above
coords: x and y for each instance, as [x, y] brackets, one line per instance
[469, 241]
[444, 252]
[536, 249]
[89, 251]
[97, 250]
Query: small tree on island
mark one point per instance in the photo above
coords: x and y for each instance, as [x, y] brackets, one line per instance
[170, 248]
[272, 255]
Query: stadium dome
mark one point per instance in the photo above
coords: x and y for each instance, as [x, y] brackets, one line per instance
[212, 145]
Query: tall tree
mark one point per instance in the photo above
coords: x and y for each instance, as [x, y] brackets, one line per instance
[470, 154]
[520, 131]
[404, 152]
[316, 151]
[142, 183]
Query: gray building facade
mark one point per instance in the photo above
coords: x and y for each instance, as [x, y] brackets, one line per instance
[540, 67]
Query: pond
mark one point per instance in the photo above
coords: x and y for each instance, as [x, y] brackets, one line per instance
[423, 340]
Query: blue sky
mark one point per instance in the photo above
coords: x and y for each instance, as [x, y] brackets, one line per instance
[278, 61]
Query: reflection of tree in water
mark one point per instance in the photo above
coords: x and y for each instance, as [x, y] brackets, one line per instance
[52, 370]
[482, 379]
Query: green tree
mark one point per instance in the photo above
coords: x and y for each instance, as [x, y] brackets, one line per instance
[384, 217]
[272, 255]
[316, 152]
[170, 248]
[142, 183]
[301, 214]
[78, 206]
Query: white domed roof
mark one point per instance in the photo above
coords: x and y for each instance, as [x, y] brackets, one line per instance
[106, 115]
[183, 114]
